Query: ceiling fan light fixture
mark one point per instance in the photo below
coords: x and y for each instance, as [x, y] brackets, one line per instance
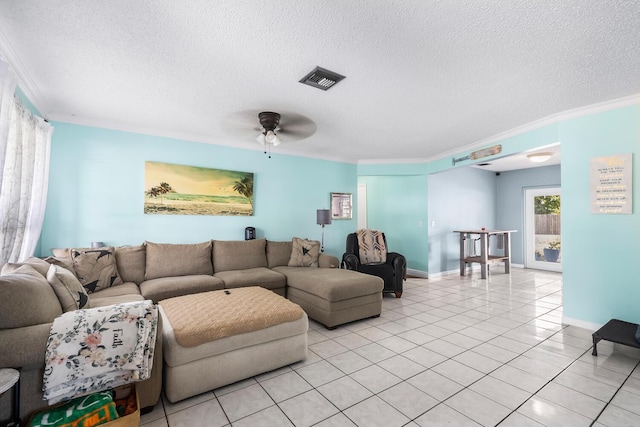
[270, 137]
[539, 157]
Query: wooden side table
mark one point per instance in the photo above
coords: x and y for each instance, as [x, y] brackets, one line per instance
[484, 259]
[10, 378]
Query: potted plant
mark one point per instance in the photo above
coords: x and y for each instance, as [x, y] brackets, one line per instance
[552, 251]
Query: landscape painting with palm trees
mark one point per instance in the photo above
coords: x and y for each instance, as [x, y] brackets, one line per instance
[190, 190]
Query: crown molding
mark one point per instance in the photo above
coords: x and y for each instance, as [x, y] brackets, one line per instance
[181, 136]
[599, 107]
[25, 82]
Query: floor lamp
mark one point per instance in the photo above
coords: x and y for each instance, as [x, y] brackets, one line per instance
[323, 217]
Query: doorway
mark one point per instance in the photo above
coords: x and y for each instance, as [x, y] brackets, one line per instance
[543, 243]
[362, 206]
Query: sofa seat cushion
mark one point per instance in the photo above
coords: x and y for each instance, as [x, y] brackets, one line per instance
[171, 260]
[104, 301]
[169, 287]
[261, 276]
[331, 284]
[127, 288]
[239, 254]
[304, 299]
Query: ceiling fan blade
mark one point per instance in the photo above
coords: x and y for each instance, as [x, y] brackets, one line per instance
[297, 126]
[241, 124]
[298, 134]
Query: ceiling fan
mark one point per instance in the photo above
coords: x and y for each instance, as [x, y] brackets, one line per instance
[269, 122]
[272, 128]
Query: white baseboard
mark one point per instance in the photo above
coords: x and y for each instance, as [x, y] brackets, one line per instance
[581, 323]
[455, 272]
[473, 267]
[417, 273]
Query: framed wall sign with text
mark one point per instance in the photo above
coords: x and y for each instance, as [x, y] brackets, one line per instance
[341, 206]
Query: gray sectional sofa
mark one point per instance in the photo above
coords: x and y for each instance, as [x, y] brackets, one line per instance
[158, 271]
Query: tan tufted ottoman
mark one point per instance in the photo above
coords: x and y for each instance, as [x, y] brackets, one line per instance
[215, 338]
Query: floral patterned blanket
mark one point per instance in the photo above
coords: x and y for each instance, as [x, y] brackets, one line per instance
[99, 348]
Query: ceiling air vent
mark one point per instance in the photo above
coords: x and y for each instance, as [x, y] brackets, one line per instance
[321, 78]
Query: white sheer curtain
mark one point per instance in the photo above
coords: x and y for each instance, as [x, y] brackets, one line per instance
[25, 142]
[7, 89]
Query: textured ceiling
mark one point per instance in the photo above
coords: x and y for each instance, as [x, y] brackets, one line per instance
[423, 77]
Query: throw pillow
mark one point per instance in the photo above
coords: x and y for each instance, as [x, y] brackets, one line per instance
[96, 268]
[70, 292]
[61, 261]
[304, 253]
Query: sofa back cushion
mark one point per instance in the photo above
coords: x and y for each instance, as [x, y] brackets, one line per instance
[40, 265]
[61, 252]
[26, 299]
[239, 254]
[278, 253]
[131, 261]
[171, 260]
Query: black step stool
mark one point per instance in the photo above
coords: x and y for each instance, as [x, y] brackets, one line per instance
[617, 331]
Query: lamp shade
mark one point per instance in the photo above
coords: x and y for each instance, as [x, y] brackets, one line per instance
[323, 216]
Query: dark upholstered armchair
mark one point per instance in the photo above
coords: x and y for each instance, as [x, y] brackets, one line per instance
[393, 272]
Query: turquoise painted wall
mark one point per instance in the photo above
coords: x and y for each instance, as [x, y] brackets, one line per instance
[396, 205]
[96, 190]
[459, 199]
[600, 252]
[510, 203]
[96, 186]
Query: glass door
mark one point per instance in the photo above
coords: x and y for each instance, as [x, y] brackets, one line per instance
[543, 248]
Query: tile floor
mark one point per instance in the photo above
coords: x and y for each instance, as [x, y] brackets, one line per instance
[456, 351]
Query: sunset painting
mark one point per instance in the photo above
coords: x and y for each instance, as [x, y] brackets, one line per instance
[189, 190]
